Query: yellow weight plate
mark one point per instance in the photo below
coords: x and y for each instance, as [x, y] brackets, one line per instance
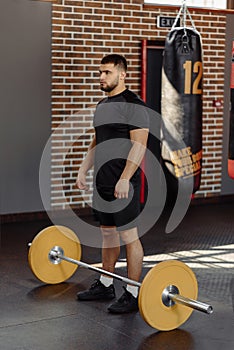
[38, 255]
[151, 306]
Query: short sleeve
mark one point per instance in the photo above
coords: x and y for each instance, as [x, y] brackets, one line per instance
[137, 116]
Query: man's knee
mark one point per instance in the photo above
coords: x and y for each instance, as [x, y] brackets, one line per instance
[129, 236]
[108, 231]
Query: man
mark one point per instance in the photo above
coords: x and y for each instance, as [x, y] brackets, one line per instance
[120, 117]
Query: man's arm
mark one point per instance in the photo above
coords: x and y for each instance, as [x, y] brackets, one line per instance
[86, 165]
[139, 139]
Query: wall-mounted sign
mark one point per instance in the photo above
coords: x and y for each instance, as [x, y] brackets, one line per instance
[166, 22]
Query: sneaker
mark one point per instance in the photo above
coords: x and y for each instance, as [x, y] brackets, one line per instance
[97, 291]
[126, 303]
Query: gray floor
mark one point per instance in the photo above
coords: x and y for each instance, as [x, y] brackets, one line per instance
[35, 316]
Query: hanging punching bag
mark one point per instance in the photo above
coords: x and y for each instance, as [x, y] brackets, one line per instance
[181, 103]
[231, 133]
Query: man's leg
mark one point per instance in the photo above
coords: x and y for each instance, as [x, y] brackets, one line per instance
[128, 301]
[134, 253]
[103, 288]
[110, 247]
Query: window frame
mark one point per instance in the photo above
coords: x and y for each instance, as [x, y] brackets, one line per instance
[229, 5]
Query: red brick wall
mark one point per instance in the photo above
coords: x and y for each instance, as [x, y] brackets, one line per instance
[82, 32]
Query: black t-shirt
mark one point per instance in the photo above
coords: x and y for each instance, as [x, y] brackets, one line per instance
[114, 118]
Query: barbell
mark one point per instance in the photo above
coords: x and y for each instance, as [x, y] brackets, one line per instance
[167, 295]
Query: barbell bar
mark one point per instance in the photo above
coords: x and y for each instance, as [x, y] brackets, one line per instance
[167, 294]
[56, 254]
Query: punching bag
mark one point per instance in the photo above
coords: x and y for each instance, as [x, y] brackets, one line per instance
[231, 132]
[181, 105]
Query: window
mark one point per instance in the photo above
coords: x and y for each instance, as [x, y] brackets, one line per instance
[219, 4]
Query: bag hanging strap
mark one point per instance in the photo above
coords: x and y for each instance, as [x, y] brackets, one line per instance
[183, 12]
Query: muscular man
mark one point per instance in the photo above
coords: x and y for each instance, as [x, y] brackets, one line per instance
[121, 117]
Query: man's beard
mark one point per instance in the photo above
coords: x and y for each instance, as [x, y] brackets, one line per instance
[111, 87]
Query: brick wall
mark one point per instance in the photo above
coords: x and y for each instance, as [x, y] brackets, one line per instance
[82, 32]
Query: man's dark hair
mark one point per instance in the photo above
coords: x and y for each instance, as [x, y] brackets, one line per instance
[117, 60]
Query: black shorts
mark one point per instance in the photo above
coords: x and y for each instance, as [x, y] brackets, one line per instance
[123, 219]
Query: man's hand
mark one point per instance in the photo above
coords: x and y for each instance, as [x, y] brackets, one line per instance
[81, 181]
[122, 189]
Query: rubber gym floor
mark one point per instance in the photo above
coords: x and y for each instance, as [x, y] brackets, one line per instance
[35, 316]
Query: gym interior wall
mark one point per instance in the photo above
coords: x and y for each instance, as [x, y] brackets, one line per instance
[25, 99]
